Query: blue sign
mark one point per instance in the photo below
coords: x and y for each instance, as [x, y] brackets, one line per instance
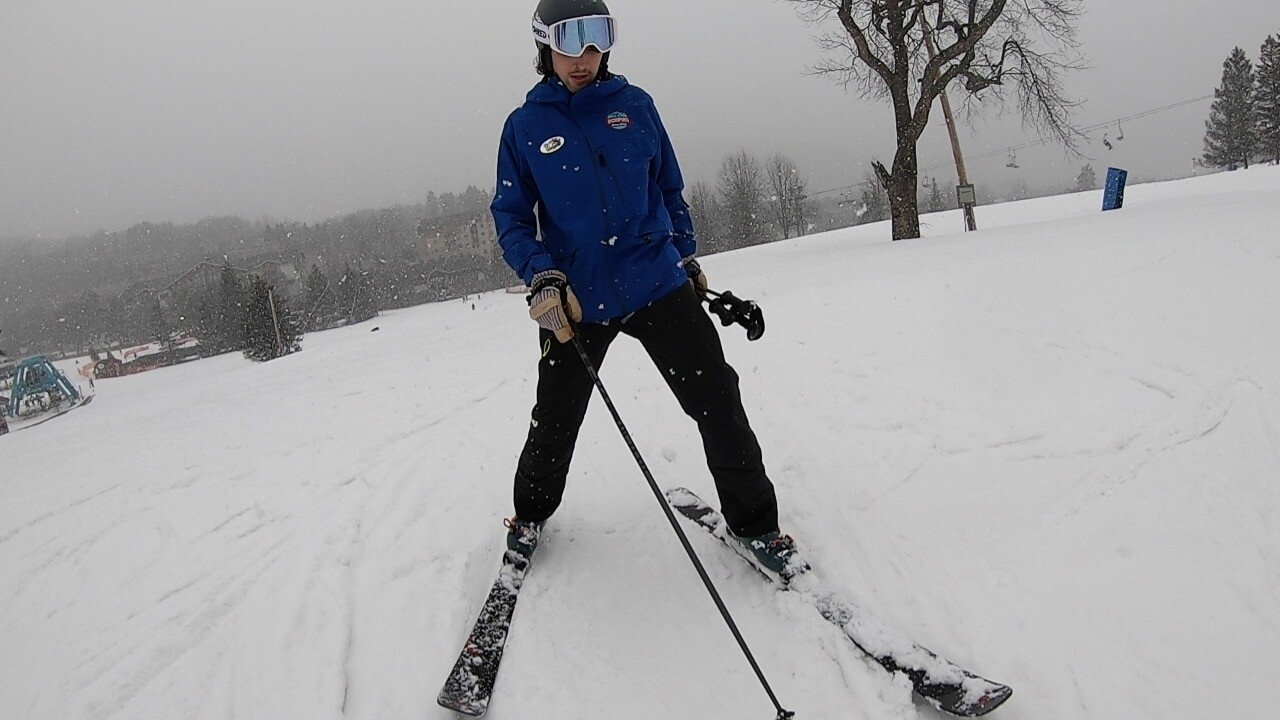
[1113, 196]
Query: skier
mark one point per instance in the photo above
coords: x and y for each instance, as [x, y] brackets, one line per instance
[589, 214]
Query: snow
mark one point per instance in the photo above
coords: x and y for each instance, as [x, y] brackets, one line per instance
[1047, 450]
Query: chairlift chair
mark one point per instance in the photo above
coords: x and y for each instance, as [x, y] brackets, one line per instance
[1013, 160]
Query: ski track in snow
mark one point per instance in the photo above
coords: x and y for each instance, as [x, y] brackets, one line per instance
[1047, 451]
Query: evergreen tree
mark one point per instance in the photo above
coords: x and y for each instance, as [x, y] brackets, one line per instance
[320, 297]
[270, 330]
[158, 325]
[202, 321]
[936, 203]
[228, 322]
[1087, 179]
[1231, 131]
[1268, 99]
[346, 290]
[356, 295]
[365, 304]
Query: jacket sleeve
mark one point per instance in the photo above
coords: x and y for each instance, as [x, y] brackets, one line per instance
[666, 173]
[513, 211]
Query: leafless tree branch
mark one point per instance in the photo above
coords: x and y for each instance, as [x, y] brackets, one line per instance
[911, 51]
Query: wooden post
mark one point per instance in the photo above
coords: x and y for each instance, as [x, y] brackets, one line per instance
[271, 297]
[970, 223]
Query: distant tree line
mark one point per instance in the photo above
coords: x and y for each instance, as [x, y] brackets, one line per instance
[246, 316]
[751, 202]
[102, 290]
[1244, 120]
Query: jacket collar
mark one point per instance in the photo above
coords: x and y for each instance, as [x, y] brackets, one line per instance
[553, 91]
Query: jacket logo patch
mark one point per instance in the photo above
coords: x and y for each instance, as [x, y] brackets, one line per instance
[618, 120]
[552, 144]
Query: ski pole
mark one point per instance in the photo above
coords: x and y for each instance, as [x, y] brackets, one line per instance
[675, 525]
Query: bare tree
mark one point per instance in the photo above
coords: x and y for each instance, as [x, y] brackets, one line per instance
[742, 197]
[910, 51]
[788, 197]
[708, 218]
[875, 201]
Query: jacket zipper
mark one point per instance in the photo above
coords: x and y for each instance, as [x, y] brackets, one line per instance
[604, 199]
[600, 154]
[617, 184]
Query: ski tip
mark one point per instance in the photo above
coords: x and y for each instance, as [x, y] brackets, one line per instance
[462, 706]
[683, 497]
[994, 699]
[981, 705]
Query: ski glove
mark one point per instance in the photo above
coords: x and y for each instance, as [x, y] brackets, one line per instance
[553, 305]
[694, 271]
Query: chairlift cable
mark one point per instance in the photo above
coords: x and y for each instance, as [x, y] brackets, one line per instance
[1037, 142]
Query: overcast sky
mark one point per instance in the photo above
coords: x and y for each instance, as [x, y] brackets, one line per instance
[113, 113]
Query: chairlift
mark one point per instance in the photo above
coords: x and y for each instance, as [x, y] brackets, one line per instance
[1013, 160]
[1121, 135]
[1106, 142]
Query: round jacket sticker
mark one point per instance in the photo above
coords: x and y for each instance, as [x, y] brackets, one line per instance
[618, 120]
[552, 144]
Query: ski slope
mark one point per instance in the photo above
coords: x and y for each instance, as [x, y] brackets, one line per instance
[1048, 450]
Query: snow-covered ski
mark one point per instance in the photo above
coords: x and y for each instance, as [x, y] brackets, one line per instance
[470, 685]
[944, 684]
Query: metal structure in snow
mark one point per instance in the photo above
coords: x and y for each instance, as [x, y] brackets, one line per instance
[38, 386]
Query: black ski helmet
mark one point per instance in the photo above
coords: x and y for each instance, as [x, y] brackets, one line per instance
[550, 12]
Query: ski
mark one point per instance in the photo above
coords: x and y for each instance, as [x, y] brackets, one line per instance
[470, 685]
[942, 683]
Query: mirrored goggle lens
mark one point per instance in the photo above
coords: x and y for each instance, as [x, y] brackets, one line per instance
[572, 37]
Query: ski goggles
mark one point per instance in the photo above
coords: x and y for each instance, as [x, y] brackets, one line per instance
[573, 37]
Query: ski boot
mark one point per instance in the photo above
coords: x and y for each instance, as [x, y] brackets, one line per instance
[776, 553]
[522, 537]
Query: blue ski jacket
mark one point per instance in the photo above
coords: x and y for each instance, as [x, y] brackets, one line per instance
[588, 184]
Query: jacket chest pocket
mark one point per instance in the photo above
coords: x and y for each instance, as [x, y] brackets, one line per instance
[563, 170]
[624, 164]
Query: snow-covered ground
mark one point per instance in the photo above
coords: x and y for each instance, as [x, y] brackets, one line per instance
[1049, 450]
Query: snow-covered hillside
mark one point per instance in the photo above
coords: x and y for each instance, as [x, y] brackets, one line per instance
[1049, 450]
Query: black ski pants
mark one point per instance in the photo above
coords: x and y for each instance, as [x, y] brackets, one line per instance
[683, 343]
